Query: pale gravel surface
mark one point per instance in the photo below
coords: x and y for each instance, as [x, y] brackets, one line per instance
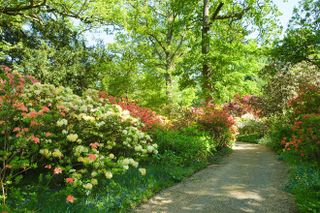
[251, 179]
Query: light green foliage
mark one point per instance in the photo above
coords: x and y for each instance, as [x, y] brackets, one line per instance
[302, 39]
[285, 85]
[184, 147]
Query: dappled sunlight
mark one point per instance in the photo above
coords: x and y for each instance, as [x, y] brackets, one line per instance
[241, 146]
[250, 180]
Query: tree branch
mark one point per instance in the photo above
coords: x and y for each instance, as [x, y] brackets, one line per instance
[214, 15]
[15, 10]
[236, 16]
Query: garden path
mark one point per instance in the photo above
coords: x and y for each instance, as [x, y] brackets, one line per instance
[251, 179]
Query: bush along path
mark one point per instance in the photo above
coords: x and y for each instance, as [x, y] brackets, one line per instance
[251, 179]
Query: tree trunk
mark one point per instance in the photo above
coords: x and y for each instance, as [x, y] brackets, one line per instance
[169, 58]
[206, 70]
[206, 87]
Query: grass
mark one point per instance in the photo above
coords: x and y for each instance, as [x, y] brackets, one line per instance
[249, 138]
[304, 184]
[121, 194]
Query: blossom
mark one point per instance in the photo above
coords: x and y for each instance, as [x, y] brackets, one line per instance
[16, 129]
[48, 134]
[94, 181]
[32, 114]
[45, 109]
[92, 156]
[35, 123]
[70, 199]
[72, 137]
[135, 164]
[88, 186]
[94, 145]
[69, 180]
[45, 152]
[57, 170]
[21, 107]
[150, 149]
[125, 161]
[138, 148]
[143, 171]
[35, 139]
[57, 153]
[108, 175]
[111, 156]
[62, 122]
[48, 166]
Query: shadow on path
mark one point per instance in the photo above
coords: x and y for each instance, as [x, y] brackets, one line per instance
[251, 179]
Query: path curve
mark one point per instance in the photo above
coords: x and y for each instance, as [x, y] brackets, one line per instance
[251, 179]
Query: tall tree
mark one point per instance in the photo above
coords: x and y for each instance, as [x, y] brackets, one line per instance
[164, 26]
[227, 12]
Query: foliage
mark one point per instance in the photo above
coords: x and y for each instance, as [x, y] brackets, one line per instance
[183, 147]
[88, 137]
[251, 130]
[285, 85]
[304, 183]
[241, 105]
[148, 117]
[127, 190]
[218, 122]
[304, 140]
[307, 101]
[301, 42]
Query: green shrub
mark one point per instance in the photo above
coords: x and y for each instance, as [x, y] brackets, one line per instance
[250, 138]
[182, 147]
[279, 127]
[304, 184]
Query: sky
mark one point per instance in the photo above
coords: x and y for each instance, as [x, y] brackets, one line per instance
[285, 7]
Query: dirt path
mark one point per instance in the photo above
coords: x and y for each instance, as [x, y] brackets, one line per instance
[251, 179]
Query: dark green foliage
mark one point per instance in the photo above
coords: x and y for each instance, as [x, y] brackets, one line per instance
[183, 148]
[250, 138]
[304, 183]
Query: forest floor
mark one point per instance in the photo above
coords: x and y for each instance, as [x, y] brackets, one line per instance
[251, 179]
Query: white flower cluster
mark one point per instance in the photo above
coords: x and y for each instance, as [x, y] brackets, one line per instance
[101, 132]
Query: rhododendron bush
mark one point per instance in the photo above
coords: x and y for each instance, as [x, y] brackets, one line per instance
[218, 122]
[148, 117]
[304, 140]
[78, 138]
[241, 105]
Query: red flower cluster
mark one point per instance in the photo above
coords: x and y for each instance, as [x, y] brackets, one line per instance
[217, 121]
[307, 101]
[147, 116]
[304, 140]
[242, 105]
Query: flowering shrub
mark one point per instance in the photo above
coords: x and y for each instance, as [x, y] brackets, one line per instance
[148, 117]
[307, 101]
[218, 122]
[78, 138]
[242, 105]
[286, 85]
[304, 141]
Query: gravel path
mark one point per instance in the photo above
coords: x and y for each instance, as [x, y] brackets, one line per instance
[251, 179]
